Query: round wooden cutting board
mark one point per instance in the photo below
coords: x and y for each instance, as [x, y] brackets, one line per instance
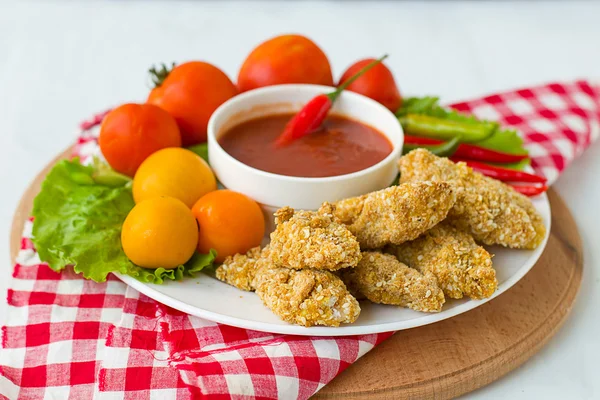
[461, 354]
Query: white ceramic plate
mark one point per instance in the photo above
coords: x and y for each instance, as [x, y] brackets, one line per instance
[208, 298]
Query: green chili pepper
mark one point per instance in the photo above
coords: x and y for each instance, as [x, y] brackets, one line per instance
[445, 149]
[433, 127]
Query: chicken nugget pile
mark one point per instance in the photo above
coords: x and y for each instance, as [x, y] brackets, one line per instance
[413, 245]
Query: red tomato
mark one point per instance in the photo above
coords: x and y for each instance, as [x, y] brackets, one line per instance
[378, 83]
[131, 132]
[285, 59]
[191, 92]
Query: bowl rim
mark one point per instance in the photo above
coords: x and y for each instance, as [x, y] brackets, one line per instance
[318, 89]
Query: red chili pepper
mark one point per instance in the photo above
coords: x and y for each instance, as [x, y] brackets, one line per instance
[530, 190]
[309, 118]
[312, 115]
[470, 151]
[482, 154]
[408, 139]
[502, 174]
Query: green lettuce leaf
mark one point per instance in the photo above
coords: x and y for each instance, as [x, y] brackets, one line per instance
[200, 149]
[78, 219]
[430, 106]
[196, 264]
[104, 175]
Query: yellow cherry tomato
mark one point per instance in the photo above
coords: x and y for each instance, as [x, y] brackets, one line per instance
[159, 232]
[174, 172]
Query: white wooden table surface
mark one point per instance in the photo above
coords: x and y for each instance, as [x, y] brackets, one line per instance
[62, 61]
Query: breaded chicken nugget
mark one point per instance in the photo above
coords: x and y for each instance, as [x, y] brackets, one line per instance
[383, 279]
[462, 268]
[396, 214]
[491, 211]
[306, 297]
[240, 269]
[307, 239]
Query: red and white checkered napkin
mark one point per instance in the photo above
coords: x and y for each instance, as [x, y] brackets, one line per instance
[557, 121]
[68, 338]
[218, 360]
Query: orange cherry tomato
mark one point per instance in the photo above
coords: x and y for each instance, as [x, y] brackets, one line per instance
[191, 92]
[131, 132]
[378, 83]
[285, 59]
[230, 223]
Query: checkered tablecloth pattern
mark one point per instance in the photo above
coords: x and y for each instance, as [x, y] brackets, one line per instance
[558, 121]
[68, 338]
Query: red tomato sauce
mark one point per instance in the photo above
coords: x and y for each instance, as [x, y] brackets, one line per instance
[341, 146]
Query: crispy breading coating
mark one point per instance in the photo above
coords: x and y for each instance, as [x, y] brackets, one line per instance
[396, 214]
[307, 239]
[240, 269]
[383, 279]
[462, 268]
[491, 211]
[351, 285]
[306, 297]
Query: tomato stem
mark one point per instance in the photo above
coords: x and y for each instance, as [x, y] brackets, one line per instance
[158, 75]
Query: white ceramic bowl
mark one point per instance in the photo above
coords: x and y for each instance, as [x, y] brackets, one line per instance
[273, 191]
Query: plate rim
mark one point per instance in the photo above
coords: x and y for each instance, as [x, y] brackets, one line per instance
[348, 329]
